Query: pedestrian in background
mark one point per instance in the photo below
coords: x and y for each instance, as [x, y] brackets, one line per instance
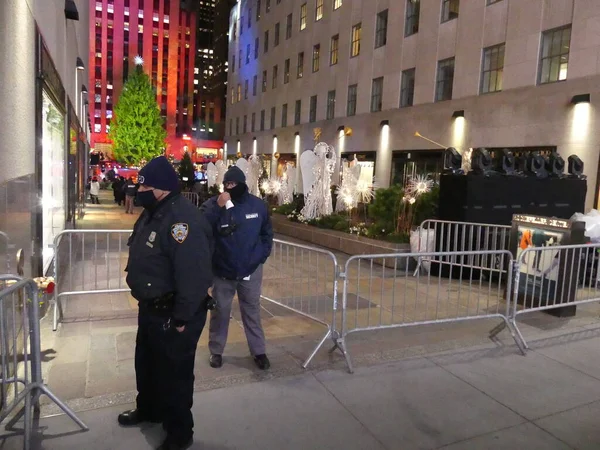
[169, 273]
[95, 191]
[244, 238]
[130, 190]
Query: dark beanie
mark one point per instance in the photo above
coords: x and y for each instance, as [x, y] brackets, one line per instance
[159, 174]
[234, 174]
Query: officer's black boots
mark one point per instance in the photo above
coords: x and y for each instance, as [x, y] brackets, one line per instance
[171, 444]
[134, 417]
[262, 362]
[215, 361]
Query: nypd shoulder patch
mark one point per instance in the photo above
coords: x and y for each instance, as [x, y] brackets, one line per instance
[179, 231]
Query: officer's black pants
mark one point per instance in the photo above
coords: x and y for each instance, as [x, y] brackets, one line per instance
[164, 368]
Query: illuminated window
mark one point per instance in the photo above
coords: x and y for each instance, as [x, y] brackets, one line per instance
[264, 81]
[337, 4]
[555, 55]
[303, 13]
[356, 32]
[316, 57]
[319, 10]
[492, 69]
[239, 92]
[334, 49]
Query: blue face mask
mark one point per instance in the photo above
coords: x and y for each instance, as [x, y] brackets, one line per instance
[146, 199]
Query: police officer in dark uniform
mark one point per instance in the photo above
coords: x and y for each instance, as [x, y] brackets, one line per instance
[169, 273]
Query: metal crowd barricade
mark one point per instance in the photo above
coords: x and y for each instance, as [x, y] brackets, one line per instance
[20, 357]
[88, 262]
[192, 197]
[303, 280]
[442, 236]
[377, 297]
[553, 277]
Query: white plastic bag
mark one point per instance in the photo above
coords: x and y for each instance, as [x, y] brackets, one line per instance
[422, 241]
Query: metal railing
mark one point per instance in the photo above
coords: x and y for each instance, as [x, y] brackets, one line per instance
[376, 297]
[192, 197]
[88, 262]
[554, 277]
[442, 236]
[304, 280]
[20, 357]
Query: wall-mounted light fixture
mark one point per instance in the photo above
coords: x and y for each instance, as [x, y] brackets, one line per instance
[79, 65]
[254, 146]
[384, 122]
[458, 113]
[581, 98]
[84, 89]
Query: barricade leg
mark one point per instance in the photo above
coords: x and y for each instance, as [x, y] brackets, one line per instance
[340, 344]
[317, 348]
[524, 345]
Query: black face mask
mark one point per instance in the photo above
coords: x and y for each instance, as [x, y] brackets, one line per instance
[146, 199]
[237, 192]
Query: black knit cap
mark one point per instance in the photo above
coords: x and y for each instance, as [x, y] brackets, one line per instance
[159, 174]
[234, 174]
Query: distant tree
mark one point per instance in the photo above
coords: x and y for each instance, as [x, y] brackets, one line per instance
[137, 129]
[186, 170]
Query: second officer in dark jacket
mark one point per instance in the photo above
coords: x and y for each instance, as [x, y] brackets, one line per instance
[169, 273]
[244, 238]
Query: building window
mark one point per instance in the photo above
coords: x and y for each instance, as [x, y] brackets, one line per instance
[254, 85]
[445, 80]
[492, 69]
[286, 72]
[272, 118]
[264, 81]
[275, 75]
[337, 4]
[262, 120]
[248, 54]
[237, 125]
[253, 123]
[300, 70]
[316, 57]
[449, 10]
[377, 94]
[303, 12]
[319, 10]
[491, 2]
[256, 48]
[231, 127]
[330, 105]
[297, 112]
[266, 43]
[240, 60]
[288, 27]
[334, 49]
[239, 92]
[312, 113]
[257, 10]
[407, 88]
[413, 10]
[232, 96]
[284, 115]
[381, 29]
[245, 127]
[555, 55]
[234, 31]
[268, 5]
[246, 90]
[355, 49]
[250, 20]
[241, 25]
[276, 38]
[233, 64]
[351, 106]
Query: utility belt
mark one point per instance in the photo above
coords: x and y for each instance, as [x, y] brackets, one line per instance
[164, 305]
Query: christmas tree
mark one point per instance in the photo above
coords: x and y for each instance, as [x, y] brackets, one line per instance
[186, 170]
[137, 129]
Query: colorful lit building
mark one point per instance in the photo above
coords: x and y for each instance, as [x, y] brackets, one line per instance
[163, 33]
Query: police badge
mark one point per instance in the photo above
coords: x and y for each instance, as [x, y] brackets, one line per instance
[179, 231]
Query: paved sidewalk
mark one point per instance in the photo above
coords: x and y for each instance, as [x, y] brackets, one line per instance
[481, 398]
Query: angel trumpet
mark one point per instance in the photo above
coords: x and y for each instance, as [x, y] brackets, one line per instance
[417, 134]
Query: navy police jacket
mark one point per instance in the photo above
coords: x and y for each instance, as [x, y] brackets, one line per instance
[170, 251]
[243, 234]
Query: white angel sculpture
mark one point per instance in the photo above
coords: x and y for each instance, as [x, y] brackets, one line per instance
[211, 174]
[318, 201]
[221, 169]
[253, 174]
